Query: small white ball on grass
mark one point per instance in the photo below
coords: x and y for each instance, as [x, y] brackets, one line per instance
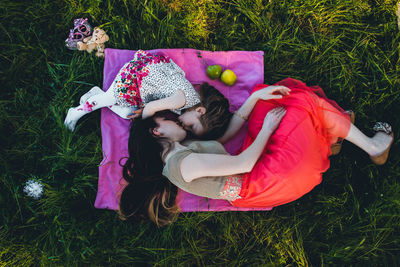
[33, 188]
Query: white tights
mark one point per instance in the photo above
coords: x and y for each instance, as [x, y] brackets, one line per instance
[93, 100]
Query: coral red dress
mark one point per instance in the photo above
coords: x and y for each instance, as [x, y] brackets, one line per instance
[297, 153]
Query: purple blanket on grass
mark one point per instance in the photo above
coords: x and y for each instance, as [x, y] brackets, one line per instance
[249, 68]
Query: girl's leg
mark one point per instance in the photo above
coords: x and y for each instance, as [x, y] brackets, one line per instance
[94, 102]
[121, 111]
[94, 91]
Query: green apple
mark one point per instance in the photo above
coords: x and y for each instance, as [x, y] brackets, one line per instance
[214, 71]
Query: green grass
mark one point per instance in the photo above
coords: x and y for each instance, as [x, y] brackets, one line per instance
[350, 48]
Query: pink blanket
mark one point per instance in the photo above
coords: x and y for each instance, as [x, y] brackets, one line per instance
[249, 68]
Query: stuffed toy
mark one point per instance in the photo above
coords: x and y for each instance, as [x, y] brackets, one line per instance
[81, 30]
[94, 42]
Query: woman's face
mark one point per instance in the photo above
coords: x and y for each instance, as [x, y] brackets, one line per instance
[191, 122]
[169, 129]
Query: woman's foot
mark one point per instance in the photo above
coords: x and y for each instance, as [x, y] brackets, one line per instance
[381, 143]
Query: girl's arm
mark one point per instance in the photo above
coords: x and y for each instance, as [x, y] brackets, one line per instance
[177, 100]
[241, 115]
[198, 165]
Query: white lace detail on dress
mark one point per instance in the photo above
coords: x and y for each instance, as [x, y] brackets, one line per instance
[232, 188]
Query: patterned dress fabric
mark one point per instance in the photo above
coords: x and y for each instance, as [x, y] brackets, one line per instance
[150, 77]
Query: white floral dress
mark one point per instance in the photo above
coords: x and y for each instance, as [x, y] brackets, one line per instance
[150, 77]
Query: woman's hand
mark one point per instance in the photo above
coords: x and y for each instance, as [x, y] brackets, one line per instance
[272, 92]
[273, 118]
[136, 114]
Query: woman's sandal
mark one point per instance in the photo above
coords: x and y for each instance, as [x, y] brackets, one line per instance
[386, 128]
[335, 148]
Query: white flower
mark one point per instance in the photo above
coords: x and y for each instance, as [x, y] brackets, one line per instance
[33, 189]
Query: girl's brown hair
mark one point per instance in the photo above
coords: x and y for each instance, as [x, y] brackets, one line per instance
[217, 116]
[148, 194]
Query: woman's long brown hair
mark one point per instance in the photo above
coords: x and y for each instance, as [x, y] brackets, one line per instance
[148, 194]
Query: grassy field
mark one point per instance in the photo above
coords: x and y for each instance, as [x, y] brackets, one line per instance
[350, 48]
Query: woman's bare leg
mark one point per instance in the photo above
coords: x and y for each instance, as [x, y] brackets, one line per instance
[374, 146]
[338, 126]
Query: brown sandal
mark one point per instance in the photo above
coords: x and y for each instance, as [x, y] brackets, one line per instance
[386, 128]
[335, 148]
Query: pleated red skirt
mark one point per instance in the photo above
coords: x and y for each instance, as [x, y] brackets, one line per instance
[298, 152]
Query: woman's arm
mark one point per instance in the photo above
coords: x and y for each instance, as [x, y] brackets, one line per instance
[241, 115]
[177, 100]
[198, 165]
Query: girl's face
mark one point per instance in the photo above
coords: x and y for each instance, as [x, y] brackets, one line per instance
[191, 121]
[169, 129]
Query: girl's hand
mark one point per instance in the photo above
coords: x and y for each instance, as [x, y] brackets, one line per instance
[136, 114]
[272, 92]
[273, 118]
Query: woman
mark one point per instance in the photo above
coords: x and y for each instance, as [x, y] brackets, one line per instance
[273, 168]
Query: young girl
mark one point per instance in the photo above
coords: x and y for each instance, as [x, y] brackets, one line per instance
[276, 165]
[154, 83]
